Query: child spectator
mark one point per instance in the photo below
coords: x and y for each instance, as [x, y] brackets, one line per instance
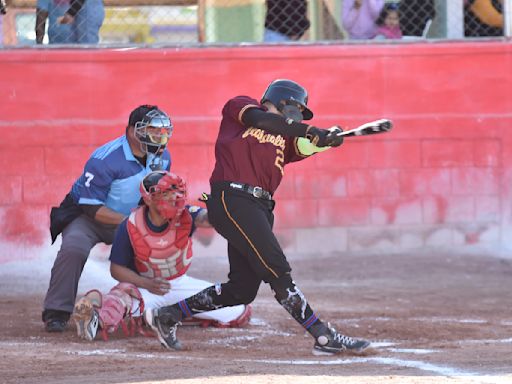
[388, 23]
[359, 18]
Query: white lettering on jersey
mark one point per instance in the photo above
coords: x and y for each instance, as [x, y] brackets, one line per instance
[89, 176]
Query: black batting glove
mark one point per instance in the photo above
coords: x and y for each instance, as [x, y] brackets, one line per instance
[317, 136]
[333, 138]
[324, 137]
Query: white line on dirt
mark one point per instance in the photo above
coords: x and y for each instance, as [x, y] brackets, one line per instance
[413, 351]
[232, 339]
[438, 369]
[380, 344]
[442, 370]
[421, 365]
[17, 344]
[422, 319]
[449, 320]
[488, 341]
[97, 352]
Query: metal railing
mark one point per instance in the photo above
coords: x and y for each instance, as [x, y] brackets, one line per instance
[147, 22]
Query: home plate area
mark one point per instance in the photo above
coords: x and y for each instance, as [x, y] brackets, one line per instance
[431, 317]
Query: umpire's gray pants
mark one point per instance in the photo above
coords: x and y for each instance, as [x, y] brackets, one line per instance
[78, 238]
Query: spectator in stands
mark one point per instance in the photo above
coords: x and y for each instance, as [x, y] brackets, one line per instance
[70, 21]
[414, 16]
[285, 20]
[359, 17]
[388, 23]
[483, 18]
[52, 10]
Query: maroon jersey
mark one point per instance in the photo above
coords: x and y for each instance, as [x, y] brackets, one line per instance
[250, 155]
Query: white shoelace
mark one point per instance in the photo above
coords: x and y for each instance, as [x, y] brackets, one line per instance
[346, 340]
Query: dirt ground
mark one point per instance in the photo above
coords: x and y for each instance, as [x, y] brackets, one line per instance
[432, 317]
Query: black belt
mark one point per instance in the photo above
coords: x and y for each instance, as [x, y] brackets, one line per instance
[258, 192]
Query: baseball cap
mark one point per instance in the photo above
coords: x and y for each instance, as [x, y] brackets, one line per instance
[138, 113]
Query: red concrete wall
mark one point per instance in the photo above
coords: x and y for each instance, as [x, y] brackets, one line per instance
[441, 177]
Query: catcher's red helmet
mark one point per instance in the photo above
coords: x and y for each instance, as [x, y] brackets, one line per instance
[167, 190]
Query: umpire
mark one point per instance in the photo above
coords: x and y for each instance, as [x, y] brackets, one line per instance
[99, 200]
[255, 142]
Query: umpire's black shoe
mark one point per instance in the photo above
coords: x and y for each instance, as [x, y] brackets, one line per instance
[164, 322]
[55, 325]
[333, 342]
[55, 320]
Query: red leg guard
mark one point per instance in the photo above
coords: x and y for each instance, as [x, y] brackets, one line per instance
[124, 327]
[142, 328]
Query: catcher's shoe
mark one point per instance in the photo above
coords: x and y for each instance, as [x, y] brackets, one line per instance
[164, 322]
[240, 322]
[86, 319]
[334, 342]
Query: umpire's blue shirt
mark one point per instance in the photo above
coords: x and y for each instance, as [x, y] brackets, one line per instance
[112, 177]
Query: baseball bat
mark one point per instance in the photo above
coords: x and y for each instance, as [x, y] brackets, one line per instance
[371, 128]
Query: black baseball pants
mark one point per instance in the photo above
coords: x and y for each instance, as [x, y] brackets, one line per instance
[255, 255]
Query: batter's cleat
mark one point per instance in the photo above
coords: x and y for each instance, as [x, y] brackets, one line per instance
[334, 342]
[164, 322]
[86, 319]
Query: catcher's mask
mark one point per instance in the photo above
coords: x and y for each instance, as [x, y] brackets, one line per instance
[167, 192]
[290, 98]
[153, 131]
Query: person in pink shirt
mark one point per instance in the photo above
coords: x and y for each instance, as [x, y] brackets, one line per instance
[389, 23]
[359, 18]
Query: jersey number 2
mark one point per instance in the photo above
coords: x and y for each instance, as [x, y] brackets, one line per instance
[280, 160]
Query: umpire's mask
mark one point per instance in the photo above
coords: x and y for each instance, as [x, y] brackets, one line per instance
[153, 131]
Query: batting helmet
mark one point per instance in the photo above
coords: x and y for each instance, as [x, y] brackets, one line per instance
[152, 130]
[283, 93]
[167, 190]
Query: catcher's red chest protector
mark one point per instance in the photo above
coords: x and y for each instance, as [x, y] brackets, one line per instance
[166, 254]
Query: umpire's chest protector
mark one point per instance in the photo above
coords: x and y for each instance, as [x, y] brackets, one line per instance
[166, 254]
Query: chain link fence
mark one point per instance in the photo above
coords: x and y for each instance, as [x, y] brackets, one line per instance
[152, 22]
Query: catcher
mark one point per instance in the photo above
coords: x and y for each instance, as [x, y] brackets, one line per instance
[150, 256]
